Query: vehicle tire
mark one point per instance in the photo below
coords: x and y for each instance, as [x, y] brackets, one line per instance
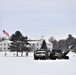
[35, 58]
[66, 57]
[53, 58]
[44, 58]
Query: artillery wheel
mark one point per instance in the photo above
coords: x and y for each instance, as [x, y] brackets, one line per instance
[66, 57]
[35, 58]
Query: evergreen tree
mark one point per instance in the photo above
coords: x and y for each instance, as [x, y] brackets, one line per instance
[44, 46]
[19, 42]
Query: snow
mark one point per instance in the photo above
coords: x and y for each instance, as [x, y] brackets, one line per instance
[12, 65]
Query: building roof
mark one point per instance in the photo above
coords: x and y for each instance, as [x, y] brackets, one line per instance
[39, 41]
[6, 41]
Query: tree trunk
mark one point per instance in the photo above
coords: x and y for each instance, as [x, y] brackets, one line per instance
[22, 53]
[17, 53]
[27, 53]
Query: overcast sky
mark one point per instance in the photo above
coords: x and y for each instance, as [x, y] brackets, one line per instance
[35, 18]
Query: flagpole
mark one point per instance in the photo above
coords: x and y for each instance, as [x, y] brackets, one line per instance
[1, 24]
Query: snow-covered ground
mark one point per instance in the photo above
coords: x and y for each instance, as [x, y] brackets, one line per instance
[12, 65]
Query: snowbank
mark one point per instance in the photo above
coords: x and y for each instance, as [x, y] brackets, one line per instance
[12, 65]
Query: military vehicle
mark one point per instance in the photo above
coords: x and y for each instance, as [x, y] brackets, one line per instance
[54, 54]
[59, 54]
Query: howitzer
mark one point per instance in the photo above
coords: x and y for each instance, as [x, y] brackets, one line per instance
[59, 54]
[66, 52]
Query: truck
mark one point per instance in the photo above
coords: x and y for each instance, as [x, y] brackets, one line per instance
[40, 54]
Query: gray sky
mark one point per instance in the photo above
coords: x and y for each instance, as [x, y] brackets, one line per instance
[35, 18]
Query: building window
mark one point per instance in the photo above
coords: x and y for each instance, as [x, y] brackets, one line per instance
[37, 44]
[37, 48]
[33, 44]
[8, 44]
[4, 44]
[4, 48]
[8, 48]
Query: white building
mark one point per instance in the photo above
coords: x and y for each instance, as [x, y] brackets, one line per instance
[4, 45]
[34, 45]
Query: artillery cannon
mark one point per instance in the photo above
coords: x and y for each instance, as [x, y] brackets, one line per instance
[59, 54]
